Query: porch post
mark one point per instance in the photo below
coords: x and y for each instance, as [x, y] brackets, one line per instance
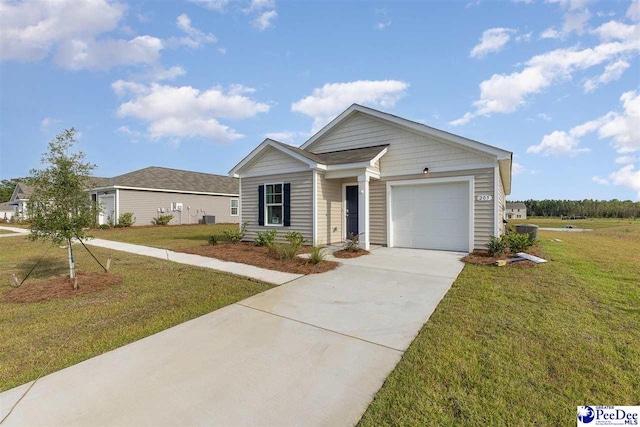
[363, 210]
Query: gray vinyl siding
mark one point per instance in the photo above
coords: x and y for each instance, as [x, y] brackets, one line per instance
[408, 151]
[501, 206]
[329, 210]
[145, 204]
[301, 203]
[483, 211]
[273, 160]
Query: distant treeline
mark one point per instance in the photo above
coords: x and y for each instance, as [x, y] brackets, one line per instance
[585, 208]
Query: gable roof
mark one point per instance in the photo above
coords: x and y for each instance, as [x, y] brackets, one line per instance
[415, 126]
[516, 205]
[175, 180]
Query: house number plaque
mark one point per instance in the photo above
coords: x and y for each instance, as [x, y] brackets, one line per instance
[484, 197]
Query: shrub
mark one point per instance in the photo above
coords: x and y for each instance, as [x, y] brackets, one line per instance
[163, 219]
[126, 220]
[352, 243]
[289, 250]
[295, 238]
[317, 255]
[104, 226]
[235, 235]
[266, 237]
[496, 246]
[518, 242]
[213, 240]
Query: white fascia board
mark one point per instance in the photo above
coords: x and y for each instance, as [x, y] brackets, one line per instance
[235, 172]
[416, 127]
[439, 169]
[160, 190]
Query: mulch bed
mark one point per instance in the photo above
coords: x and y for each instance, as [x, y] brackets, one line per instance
[249, 253]
[61, 287]
[345, 253]
[483, 258]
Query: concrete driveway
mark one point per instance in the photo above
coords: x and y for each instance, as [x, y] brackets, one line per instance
[311, 352]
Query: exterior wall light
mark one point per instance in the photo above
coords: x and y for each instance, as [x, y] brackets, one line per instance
[425, 171]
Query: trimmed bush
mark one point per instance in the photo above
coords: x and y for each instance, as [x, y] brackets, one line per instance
[496, 246]
[162, 219]
[518, 242]
[352, 243]
[126, 220]
[213, 240]
[235, 235]
[266, 237]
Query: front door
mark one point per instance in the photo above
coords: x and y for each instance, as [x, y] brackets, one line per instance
[108, 210]
[352, 210]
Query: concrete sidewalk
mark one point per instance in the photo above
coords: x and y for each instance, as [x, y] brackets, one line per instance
[270, 276]
[18, 231]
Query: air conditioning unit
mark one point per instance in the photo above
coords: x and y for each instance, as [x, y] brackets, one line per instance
[176, 207]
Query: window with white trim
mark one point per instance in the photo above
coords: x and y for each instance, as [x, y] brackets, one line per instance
[234, 207]
[273, 204]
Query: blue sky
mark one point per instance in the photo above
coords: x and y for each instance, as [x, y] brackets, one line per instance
[197, 85]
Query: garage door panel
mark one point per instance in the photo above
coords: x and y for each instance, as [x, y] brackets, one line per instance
[431, 216]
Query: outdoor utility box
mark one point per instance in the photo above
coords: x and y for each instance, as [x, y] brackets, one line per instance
[209, 219]
[530, 229]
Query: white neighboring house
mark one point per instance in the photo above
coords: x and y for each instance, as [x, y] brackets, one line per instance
[6, 212]
[516, 210]
[19, 200]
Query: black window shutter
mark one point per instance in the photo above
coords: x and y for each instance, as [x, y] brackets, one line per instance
[261, 205]
[286, 216]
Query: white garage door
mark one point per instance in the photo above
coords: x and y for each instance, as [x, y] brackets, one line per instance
[431, 216]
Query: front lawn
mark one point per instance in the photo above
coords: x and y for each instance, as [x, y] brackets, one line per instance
[40, 338]
[527, 346]
[594, 223]
[168, 236]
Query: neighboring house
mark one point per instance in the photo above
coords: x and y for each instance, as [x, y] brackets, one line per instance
[392, 181]
[6, 212]
[516, 210]
[19, 199]
[153, 191]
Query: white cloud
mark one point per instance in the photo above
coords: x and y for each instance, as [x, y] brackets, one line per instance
[614, 30]
[222, 50]
[179, 112]
[558, 143]
[611, 73]
[633, 12]
[262, 5]
[133, 135]
[46, 122]
[215, 5]
[31, 30]
[159, 73]
[525, 37]
[550, 33]
[382, 25]
[288, 136]
[265, 20]
[195, 38]
[331, 99]
[94, 54]
[623, 160]
[506, 93]
[517, 168]
[622, 128]
[627, 177]
[462, 120]
[492, 40]
[575, 21]
[544, 116]
[599, 180]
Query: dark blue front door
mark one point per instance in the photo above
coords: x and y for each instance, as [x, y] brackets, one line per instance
[352, 210]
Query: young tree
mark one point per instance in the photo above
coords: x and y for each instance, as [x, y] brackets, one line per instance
[59, 209]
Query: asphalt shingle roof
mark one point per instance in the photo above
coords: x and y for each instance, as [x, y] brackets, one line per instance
[354, 155]
[159, 178]
[516, 205]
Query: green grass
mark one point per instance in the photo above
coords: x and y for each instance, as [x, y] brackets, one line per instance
[525, 346]
[41, 338]
[594, 223]
[170, 236]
